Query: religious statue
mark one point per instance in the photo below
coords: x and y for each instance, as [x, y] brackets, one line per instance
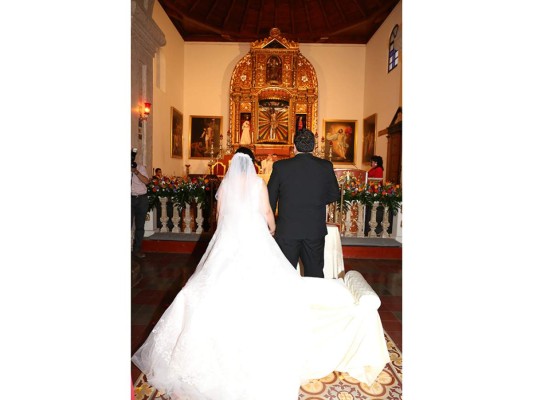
[273, 124]
[246, 138]
[274, 69]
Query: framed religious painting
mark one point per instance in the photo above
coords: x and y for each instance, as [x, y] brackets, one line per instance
[340, 141]
[176, 133]
[204, 137]
[301, 122]
[369, 138]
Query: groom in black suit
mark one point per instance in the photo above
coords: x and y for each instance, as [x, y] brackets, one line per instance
[301, 187]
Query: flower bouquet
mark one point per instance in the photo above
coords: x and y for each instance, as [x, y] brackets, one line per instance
[190, 191]
[164, 187]
[389, 194]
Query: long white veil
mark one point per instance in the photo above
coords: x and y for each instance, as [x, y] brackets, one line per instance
[238, 193]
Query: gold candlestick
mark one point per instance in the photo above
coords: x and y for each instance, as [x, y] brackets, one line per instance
[229, 150]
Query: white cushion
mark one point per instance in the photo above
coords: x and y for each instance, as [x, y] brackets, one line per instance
[362, 292]
[327, 292]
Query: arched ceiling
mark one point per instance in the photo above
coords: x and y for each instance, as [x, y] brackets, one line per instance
[303, 21]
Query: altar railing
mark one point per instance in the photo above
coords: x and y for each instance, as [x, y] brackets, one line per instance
[353, 220]
[373, 221]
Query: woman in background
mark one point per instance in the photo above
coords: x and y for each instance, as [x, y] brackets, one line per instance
[376, 170]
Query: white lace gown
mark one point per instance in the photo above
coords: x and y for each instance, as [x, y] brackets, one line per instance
[246, 325]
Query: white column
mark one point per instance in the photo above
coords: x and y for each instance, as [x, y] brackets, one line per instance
[175, 218]
[397, 226]
[150, 223]
[187, 219]
[373, 223]
[385, 223]
[199, 218]
[164, 216]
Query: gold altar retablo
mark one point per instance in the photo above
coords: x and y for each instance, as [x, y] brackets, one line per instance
[273, 93]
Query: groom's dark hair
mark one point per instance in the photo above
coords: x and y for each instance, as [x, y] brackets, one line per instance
[304, 141]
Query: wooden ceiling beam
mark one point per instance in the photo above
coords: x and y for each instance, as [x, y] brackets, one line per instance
[292, 7]
[244, 18]
[361, 9]
[193, 6]
[259, 18]
[324, 13]
[213, 4]
[339, 9]
[275, 12]
[228, 14]
[307, 17]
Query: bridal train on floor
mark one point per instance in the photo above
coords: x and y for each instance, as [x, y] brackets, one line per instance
[246, 317]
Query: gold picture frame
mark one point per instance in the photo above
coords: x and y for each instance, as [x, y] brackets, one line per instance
[176, 133]
[205, 130]
[369, 138]
[340, 143]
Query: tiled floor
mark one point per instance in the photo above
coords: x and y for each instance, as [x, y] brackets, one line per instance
[162, 275]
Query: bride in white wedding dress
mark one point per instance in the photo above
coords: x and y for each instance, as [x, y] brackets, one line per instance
[247, 326]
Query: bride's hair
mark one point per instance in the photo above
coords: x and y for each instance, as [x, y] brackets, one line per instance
[247, 151]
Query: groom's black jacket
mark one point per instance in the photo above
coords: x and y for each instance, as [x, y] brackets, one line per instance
[302, 186]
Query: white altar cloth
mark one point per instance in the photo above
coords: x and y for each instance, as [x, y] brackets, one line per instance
[333, 259]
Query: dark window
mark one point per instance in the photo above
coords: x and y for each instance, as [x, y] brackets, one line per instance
[393, 50]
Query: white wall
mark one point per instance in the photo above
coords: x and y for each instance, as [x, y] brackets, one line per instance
[383, 90]
[208, 69]
[340, 70]
[168, 94]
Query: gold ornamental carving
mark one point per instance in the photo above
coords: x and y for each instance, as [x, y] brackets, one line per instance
[273, 93]
[246, 107]
[301, 108]
[275, 36]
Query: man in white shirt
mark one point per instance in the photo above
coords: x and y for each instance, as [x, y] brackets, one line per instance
[139, 205]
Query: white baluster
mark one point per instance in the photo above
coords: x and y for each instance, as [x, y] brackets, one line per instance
[360, 220]
[347, 220]
[385, 223]
[373, 223]
[199, 218]
[164, 216]
[175, 218]
[397, 226]
[187, 218]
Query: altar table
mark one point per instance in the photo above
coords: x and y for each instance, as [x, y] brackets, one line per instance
[333, 260]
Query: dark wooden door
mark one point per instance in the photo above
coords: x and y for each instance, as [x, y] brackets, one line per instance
[394, 156]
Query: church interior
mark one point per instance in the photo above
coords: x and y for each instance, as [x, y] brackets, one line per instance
[203, 85]
[84, 85]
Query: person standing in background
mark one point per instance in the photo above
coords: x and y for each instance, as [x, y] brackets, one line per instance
[158, 174]
[139, 205]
